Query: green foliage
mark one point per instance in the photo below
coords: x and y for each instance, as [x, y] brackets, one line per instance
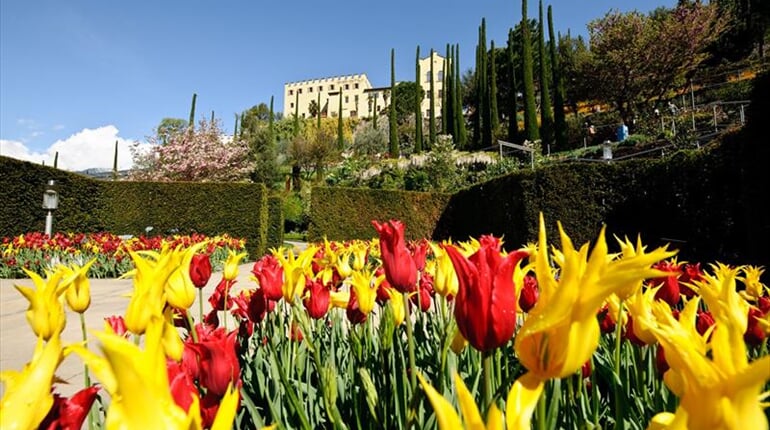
[393, 119]
[546, 113]
[369, 141]
[293, 209]
[169, 127]
[275, 222]
[531, 131]
[87, 205]
[560, 126]
[418, 96]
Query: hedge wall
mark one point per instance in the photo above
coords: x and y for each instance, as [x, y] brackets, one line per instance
[90, 205]
[347, 213]
[275, 222]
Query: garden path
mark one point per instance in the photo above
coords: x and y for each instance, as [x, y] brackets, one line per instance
[108, 297]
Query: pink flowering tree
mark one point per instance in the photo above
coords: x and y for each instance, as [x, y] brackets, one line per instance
[203, 154]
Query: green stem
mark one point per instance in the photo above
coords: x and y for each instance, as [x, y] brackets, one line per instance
[200, 304]
[193, 332]
[411, 414]
[487, 374]
[224, 312]
[618, 388]
[541, 418]
[86, 377]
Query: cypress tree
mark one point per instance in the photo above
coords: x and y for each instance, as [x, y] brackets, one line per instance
[270, 125]
[477, 114]
[462, 133]
[531, 131]
[296, 115]
[494, 114]
[417, 107]
[432, 119]
[513, 102]
[546, 114]
[56, 160]
[392, 109]
[191, 123]
[449, 91]
[318, 114]
[376, 113]
[340, 137]
[235, 130]
[445, 127]
[486, 106]
[115, 163]
[560, 123]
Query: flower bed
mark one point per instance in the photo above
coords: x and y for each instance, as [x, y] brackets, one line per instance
[37, 251]
[393, 334]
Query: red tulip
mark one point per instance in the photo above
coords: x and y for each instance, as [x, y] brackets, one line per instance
[485, 306]
[400, 267]
[354, 314]
[200, 270]
[606, 323]
[269, 274]
[690, 274]
[218, 360]
[669, 285]
[660, 360]
[529, 293]
[181, 383]
[69, 413]
[220, 299]
[755, 333]
[117, 324]
[317, 302]
[703, 321]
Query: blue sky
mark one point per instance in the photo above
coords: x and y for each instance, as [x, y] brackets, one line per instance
[75, 76]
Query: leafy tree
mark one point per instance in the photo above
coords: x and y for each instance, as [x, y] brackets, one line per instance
[203, 154]
[573, 57]
[257, 131]
[169, 127]
[636, 58]
[749, 22]
[406, 93]
[531, 131]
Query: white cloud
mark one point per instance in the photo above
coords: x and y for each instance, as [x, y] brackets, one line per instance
[88, 148]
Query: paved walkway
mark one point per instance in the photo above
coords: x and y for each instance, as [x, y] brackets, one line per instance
[108, 297]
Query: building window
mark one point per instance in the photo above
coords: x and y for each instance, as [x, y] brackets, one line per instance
[346, 99]
[291, 92]
[440, 93]
[441, 75]
[331, 87]
[292, 105]
[320, 88]
[347, 87]
[310, 89]
[427, 95]
[299, 91]
[356, 85]
[427, 77]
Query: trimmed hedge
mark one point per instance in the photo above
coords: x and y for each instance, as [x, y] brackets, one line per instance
[347, 213]
[89, 205]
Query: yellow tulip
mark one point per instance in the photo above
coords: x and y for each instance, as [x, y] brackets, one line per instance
[640, 307]
[561, 332]
[231, 264]
[28, 397]
[152, 271]
[751, 280]
[78, 293]
[339, 299]
[445, 280]
[397, 305]
[343, 263]
[45, 313]
[365, 286]
[137, 382]
[448, 419]
[458, 342]
[180, 290]
[717, 386]
[296, 269]
[359, 250]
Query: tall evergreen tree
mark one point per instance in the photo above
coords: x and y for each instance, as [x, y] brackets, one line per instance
[235, 128]
[376, 113]
[296, 115]
[271, 125]
[340, 137]
[394, 150]
[449, 95]
[477, 113]
[432, 119]
[462, 132]
[494, 115]
[417, 107]
[560, 123]
[56, 160]
[191, 123]
[513, 101]
[486, 105]
[445, 127]
[115, 163]
[531, 131]
[318, 114]
[546, 114]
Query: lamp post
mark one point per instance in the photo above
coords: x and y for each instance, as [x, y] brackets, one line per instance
[50, 203]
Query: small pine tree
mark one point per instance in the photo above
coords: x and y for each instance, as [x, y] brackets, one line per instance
[340, 137]
[296, 115]
[493, 114]
[560, 122]
[513, 102]
[191, 123]
[56, 160]
[394, 150]
[318, 114]
[546, 114]
[115, 163]
[417, 107]
[432, 119]
[531, 131]
[462, 132]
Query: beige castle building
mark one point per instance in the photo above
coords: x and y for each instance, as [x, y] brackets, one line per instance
[359, 97]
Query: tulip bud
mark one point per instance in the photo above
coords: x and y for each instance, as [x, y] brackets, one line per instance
[200, 270]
